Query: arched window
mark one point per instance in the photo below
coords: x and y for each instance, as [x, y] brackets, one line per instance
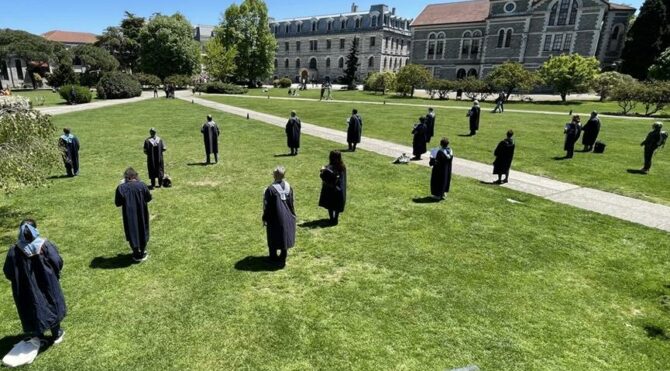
[460, 74]
[430, 54]
[439, 49]
[297, 63]
[501, 38]
[343, 24]
[287, 29]
[373, 21]
[563, 12]
[19, 69]
[340, 62]
[328, 62]
[276, 63]
[466, 43]
[312, 63]
[286, 63]
[330, 25]
[358, 23]
[385, 64]
[298, 27]
[508, 38]
[472, 72]
[614, 38]
[552, 14]
[573, 12]
[371, 62]
[314, 25]
[395, 64]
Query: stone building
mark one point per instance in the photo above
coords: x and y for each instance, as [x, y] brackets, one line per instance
[469, 38]
[316, 47]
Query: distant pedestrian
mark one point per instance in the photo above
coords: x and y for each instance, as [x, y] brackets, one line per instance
[572, 132]
[155, 91]
[333, 195]
[293, 127]
[132, 195]
[500, 104]
[591, 131]
[210, 133]
[279, 216]
[69, 145]
[154, 147]
[354, 130]
[654, 140]
[430, 124]
[419, 138]
[504, 154]
[473, 115]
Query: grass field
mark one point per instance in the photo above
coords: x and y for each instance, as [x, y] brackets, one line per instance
[397, 285]
[539, 140]
[45, 98]
[550, 106]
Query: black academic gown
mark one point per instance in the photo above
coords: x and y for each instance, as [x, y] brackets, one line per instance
[333, 189]
[591, 131]
[572, 132]
[70, 154]
[419, 139]
[474, 118]
[293, 132]
[355, 129]
[279, 217]
[36, 288]
[132, 197]
[154, 152]
[430, 127]
[504, 153]
[210, 134]
[440, 178]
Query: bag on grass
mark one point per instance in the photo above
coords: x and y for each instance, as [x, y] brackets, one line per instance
[599, 147]
[167, 181]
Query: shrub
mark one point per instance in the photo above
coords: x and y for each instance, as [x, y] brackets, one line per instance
[218, 87]
[118, 85]
[284, 82]
[75, 94]
[179, 81]
[441, 88]
[654, 96]
[473, 88]
[606, 82]
[627, 96]
[147, 79]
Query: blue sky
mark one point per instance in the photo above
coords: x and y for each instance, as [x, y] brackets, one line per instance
[95, 15]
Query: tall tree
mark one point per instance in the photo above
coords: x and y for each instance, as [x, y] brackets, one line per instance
[570, 73]
[647, 38]
[410, 77]
[660, 70]
[511, 76]
[167, 46]
[95, 61]
[123, 41]
[34, 50]
[219, 60]
[352, 65]
[245, 28]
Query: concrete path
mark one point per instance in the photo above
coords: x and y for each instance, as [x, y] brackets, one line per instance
[462, 108]
[62, 109]
[621, 207]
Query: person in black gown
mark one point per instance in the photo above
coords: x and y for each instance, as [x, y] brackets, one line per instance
[154, 147]
[210, 134]
[133, 196]
[473, 115]
[572, 131]
[69, 145]
[651, 143]
[33, 266]
[293, 127]
[430, 124]
[504, 154]
[419, 138]
[354, 130]
[440, 178]
[334, 186]
[591, 131]
[279, 216]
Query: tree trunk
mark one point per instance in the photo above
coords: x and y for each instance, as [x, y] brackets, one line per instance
[509, 92]
[412, 92]
[30, 72]
[563, 95]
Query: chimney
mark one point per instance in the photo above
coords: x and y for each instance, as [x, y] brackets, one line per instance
[354, 8]
[393, 11]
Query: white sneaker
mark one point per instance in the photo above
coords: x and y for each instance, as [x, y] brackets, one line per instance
[59, 338]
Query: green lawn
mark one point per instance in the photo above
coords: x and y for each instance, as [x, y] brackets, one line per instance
[44, 98]
[397, 285]
[550, 106]
[539, 139]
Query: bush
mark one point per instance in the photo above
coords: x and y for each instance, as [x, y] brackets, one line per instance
[75, 94]
[284, 82]
[441, 88]
[147, 79]
[178, 81]
[627, 96]
[218, 87]
[62, 75]
[654, 96]
[473, 88]
[606, 82]
[118, 85]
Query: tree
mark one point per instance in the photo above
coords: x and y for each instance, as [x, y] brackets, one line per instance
[351, 65]
[245, 28]
[474, 88]
[95, 61]
[28, 151]
[410, 77]
[385, 81]
[219, 60]
[568, 74]
[35, 50]
[654, 96]
[511, 76]
[606, 82]
[647, 38]
[627, 96]
[660, 70]
[123, 42]
[167, 46]
[62, 75]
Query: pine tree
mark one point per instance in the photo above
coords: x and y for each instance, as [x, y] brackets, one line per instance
[647, 38]
[352, 65]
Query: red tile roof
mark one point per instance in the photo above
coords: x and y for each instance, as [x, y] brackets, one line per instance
[614, 6]
[71, 37]
[456, 12]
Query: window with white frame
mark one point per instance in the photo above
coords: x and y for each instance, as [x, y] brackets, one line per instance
[563, 12]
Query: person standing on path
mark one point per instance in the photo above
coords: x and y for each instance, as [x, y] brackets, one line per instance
[279, 216]
[293, 127]
[133, 196]
[354, 130]
[504, 154]
[210, 134]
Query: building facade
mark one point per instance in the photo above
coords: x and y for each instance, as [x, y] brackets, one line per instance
[470, 38]
[316, 48]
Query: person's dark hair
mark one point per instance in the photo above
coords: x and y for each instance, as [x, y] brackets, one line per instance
[66, 130]
[29, 221]
[130, 174]
[422, 119]
[444, 142]
[510, 133]
[354, 111]
[209, 117]
[335, 159]
[576, 118]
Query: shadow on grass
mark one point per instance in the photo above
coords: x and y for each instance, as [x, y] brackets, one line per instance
[656, 332]
[560, 158]
[284, 155]
[8, 342]
[197, 164]
[425, 200]
[636, 171]
[10, 219]
[116, 262]
[258, 264]
[466, 135]
[314, 224]
[62, 176]
[495, 182]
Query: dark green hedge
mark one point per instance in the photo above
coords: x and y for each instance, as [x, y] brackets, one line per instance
[118, 85]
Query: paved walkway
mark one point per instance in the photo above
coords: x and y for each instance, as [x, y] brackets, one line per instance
[621, 207]
[462, 108]
[62, 109]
